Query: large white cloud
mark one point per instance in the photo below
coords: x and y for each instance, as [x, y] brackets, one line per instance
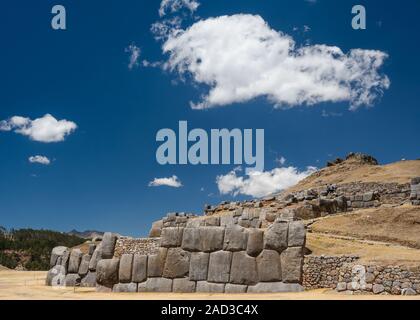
[45, 129]
[240, 58]
[173, 182]
[39, 159]
[260, 184]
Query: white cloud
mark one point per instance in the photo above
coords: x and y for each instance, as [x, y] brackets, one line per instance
[260, 184]
[240, 58]
[173, 182]
[173, 6]
[39, 159]
[46, 129]
[134, 52]
[281, 161]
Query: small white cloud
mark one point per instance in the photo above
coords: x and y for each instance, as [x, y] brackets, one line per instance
[134, 52]
[306, 28]
[39, 159]
[253, 60]
[173, 182]
[45, 129]
[281, 161]
[173, 6]
[260, 184]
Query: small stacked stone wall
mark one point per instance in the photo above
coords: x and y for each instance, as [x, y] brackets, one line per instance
[136, 246]
[415, 191]
[213, 259]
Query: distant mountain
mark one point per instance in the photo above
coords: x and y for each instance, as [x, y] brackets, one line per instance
[88, 234]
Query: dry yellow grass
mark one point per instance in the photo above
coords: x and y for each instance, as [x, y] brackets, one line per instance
[347, 172]
[27, 285]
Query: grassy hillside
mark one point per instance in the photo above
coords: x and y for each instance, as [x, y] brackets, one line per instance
[32, 248]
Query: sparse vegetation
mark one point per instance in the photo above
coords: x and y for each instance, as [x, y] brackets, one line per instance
[32, 248]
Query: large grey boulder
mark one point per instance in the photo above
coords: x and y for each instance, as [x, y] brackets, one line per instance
[56, 276]
[199, 262]
[235, 239]
[292, 264]
[255, 242]
[125, 287]
[211, 238]
[156, 285]
[84, 265]
[156, 229]
[297, 234]
[89, 280]
[275, 237]
[273, 287]
[269, 268]
[56, 253]
[177, 263]
[183, 285]
[219, 266]
[244, 269]
[191, 239]
[171, 237]
[156, 263]
[107, 272]
[235, 288]
[139, 268]
[204, 286]
[125, 270]
[72, 280]
[96, 256]
[75, 259]
[108, 245]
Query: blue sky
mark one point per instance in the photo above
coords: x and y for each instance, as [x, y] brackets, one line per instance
[99, 173]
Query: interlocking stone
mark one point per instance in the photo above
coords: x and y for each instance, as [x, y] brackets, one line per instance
[107, 272]
[171, 237]
[97, 255]
[72, 280]
[235, 288]
[291, 264]
[156, 285]
[56, 276]
[177, 263]
[183, 285]
[125, 287]
[191, 239]
[89, 280]
[125, 270]
[235, 239]
[273, 287]
[275, 237]
[108, 245]
[156, 263]
[84, 265]
[199, 262]
[55, 253]
[219, 266]
[297, 234]
[139, 268]
[255, 242]
[211, 238]
[243, 269]
[204, 286]
[268, 264]
[74, 262]
[91, 249]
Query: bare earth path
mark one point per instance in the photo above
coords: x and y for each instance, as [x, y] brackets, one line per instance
[28, 285]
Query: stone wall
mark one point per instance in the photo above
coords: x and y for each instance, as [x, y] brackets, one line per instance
[415, 191]
[346, 274]
[229, 259]
[136, 246]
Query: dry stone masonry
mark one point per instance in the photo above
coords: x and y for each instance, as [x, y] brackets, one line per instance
[415, 191]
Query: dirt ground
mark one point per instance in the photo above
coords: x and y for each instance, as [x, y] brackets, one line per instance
[29, 285]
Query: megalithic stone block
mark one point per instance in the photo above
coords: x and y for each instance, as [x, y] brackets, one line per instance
[297, 234]
[235, 239]
[56, 253]
[219, 266]
[89, 280]
[211, 238]
[156, 285]
[268, 265]
[156, 263]
[204, 286]
[183, 285]
[108, 245]
[171, 237]
[191, 239]
[125, 287]
[199, 262]
[72, 280]
[139, 268]
[273, 287]
[292, 264]
[244, 269]
[255, 242]
[177, 263]
[84, 265]
[275, 237]
[126, 267]
[235, 288]
[97, 255]
[107, 272]
[75, 259]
